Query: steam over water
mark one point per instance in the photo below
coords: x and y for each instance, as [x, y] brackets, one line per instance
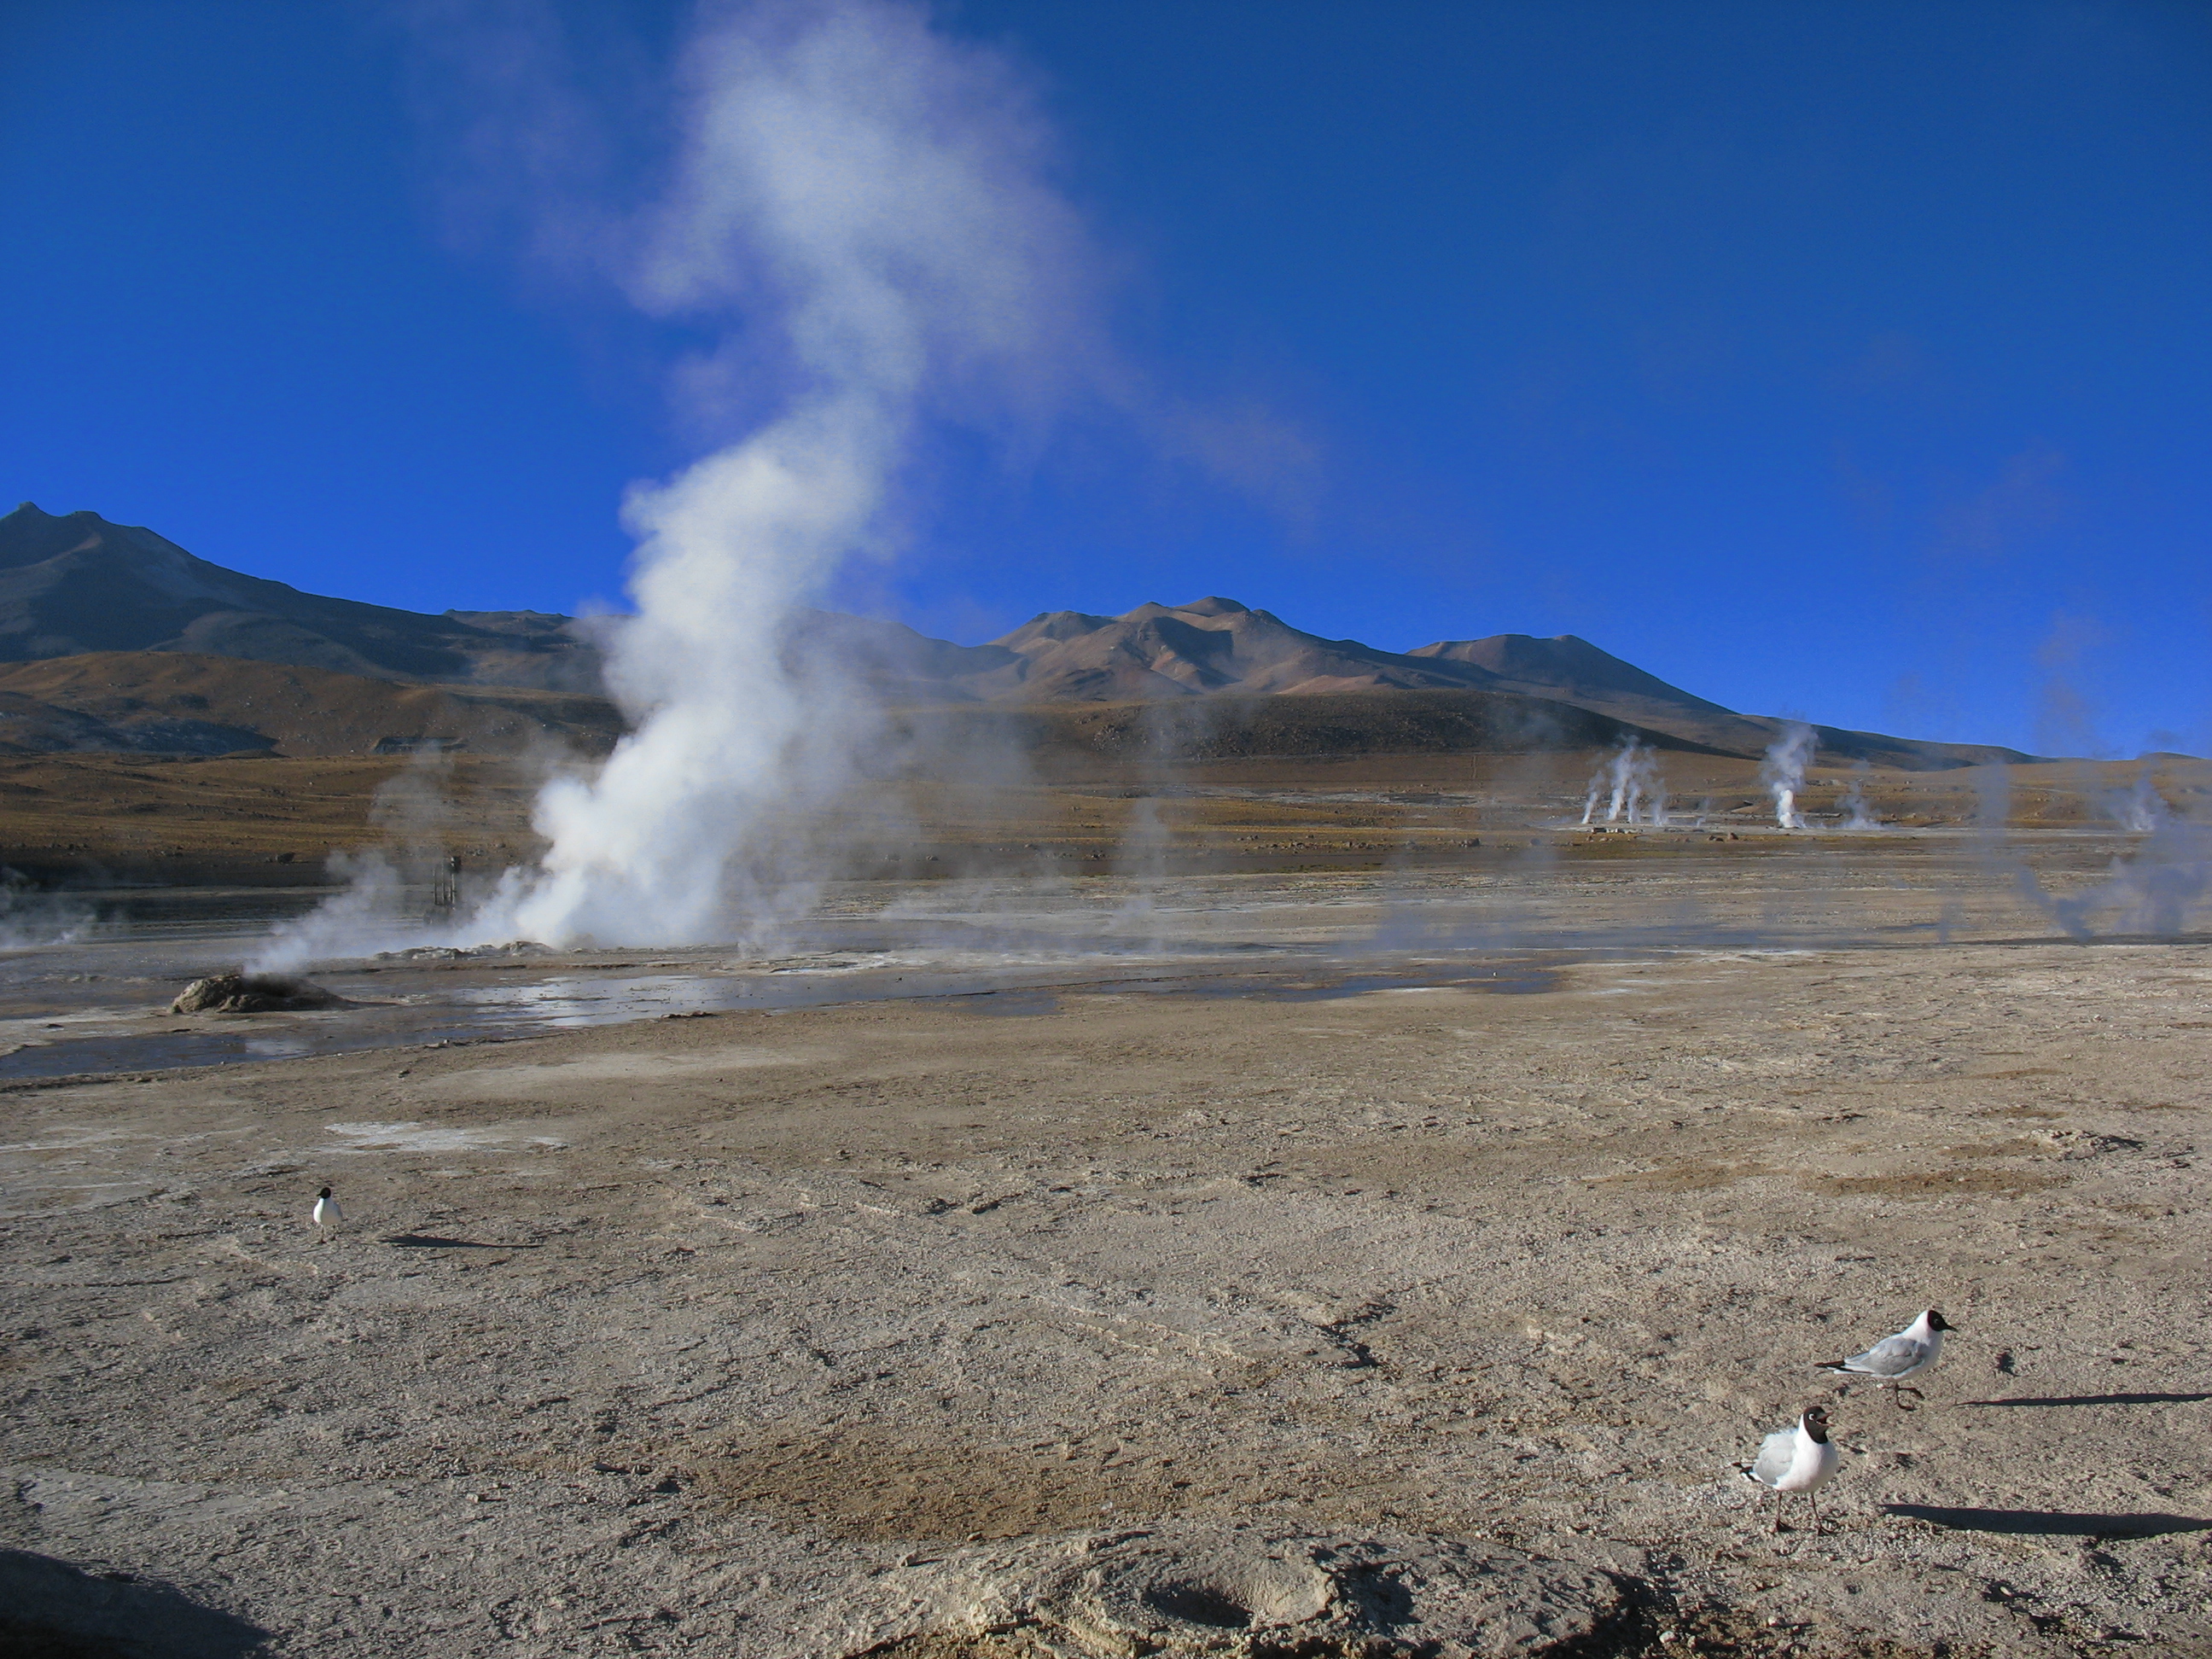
[879, 185]
[858, 207]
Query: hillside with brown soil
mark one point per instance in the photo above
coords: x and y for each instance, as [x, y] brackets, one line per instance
[80, 817]
[74, 585]
[1057, 738]
[75, 818]
[149, 703]
[170, 702]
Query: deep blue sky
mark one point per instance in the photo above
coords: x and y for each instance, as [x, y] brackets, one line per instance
[1843, 359]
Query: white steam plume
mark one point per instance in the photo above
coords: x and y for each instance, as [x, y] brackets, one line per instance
[1782, 773]
[1637, 791]
[859, 208]
[1857, 813]
[2159, 888]
[879, 186]
[2142, 810]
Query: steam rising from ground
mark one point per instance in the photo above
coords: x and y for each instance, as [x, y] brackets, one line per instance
[2143, 809]
[32, 919]
[1858, 814]
[883, 183]
[858, 207]
[1634, 790]
[1782, 773]
[2158, 888]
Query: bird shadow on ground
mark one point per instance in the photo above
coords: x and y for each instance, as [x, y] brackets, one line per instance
[431, 1242]
[2098, 1399]
[55, 1611]
[2048, 1523]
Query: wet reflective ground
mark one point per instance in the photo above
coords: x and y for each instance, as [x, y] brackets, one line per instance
[90, 995]
[105, 1012]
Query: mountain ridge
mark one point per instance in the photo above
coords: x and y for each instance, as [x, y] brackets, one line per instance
[74, 585]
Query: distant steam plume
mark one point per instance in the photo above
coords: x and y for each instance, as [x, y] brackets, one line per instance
[1782, 773]
[1632, 787]
[1858, 814]
[2142, 810]
[2159, 888]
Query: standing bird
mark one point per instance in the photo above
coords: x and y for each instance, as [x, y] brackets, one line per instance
[1893, 1359]
[326, 1215]
[1802, 1459]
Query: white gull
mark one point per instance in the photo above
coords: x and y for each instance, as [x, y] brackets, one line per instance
[1802, 1459]
[1893, 1359]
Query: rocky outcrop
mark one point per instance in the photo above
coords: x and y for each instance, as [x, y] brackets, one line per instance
[253, 993]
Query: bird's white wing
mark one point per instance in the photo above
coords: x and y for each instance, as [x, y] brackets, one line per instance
[1776, 1454]
[1892, 1356]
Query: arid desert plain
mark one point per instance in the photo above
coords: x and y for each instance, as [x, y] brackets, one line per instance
[1305, 1260]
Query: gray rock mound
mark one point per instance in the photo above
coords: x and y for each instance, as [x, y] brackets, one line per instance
[1243, 1593]
[253, 994]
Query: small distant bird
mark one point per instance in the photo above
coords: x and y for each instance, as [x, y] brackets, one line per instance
[1893, 1359]
[326, 1214]
[1797, 1460]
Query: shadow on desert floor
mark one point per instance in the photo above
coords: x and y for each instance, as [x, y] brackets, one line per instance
[2048, 1523]
[2099, 1400]
[61, 1611]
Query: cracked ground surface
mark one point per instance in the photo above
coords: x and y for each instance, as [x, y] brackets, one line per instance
[764, 1333]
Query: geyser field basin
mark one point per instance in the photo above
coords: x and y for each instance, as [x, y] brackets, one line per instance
[418, 1008]
[802, 1333]
[99, 1005]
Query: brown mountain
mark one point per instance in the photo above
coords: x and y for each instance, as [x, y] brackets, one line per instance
[1571, 670]
[189, 703]
[1566, 667]
[75, 589]
[75, 583]
[1216, 647]
[1211, 646]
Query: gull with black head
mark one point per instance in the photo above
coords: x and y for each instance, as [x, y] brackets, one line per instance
[1800, 1459]
[1893, 1359]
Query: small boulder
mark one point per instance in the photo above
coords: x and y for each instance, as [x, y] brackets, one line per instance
[253, 994]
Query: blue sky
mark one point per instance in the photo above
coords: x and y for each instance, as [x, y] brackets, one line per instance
[1848, 360]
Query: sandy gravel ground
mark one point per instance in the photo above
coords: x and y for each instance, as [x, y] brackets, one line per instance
[906, 1327]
